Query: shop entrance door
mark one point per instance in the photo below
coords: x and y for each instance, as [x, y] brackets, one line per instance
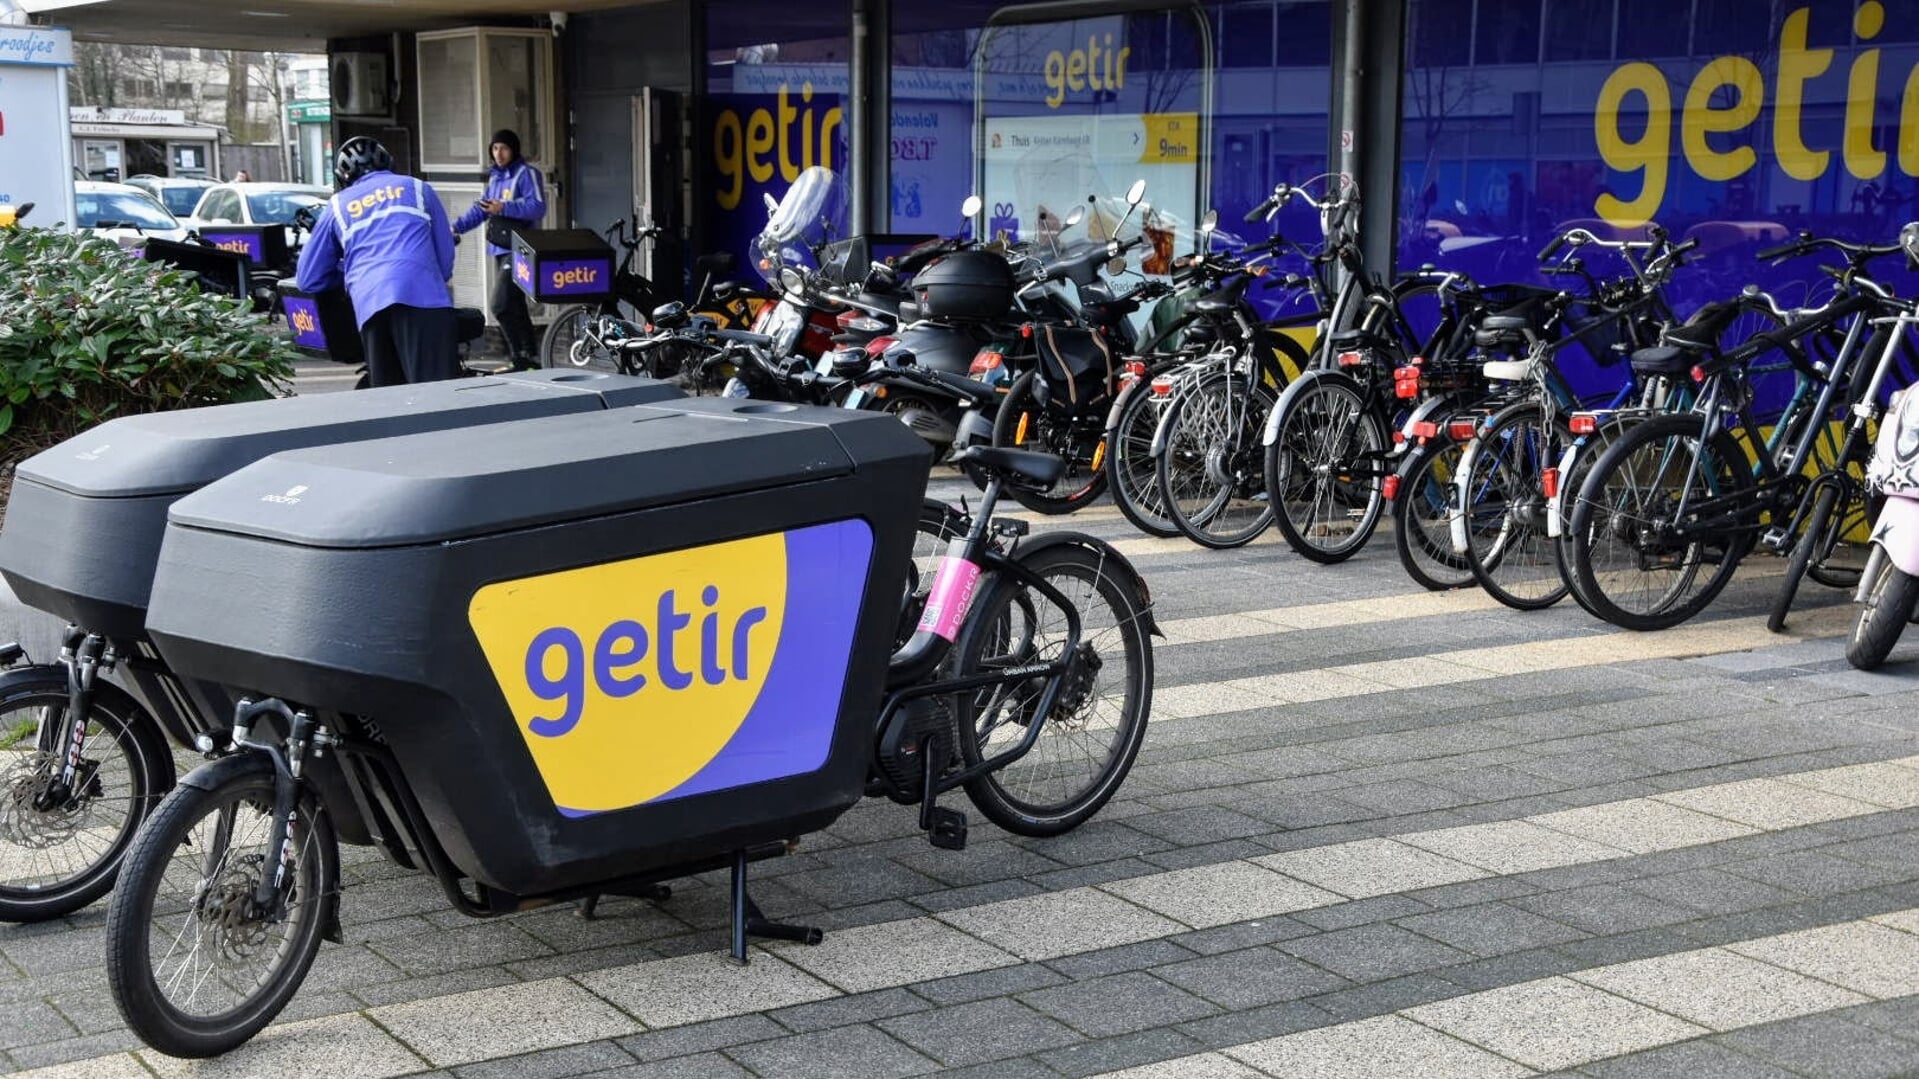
[659, 197]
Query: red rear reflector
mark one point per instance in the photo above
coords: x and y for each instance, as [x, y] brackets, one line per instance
[1135, 368]
[1163, 386]
[1461, 430]
[1399, 438]
[1026, 330]
[984, 362]
[880, 344]
[846, 318]
[1352, 359]
[1583, 423]
[1426, 429]
[1391, 489]
[1405, 387]
[1549, 482]
[1698, 373]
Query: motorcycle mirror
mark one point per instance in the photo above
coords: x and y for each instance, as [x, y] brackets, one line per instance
[1209, 222]
[971, 207]
[1909, 239]
[1073, 217]
[1116, 265]
[1136, 192]
[772, 204]
[1460, 205]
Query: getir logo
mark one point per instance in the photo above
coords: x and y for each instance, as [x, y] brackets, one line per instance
[576, 276]
[681, 673]
[358, 207]
[303, 320]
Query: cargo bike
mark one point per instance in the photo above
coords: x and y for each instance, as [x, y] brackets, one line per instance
[82, 759]
[584, 655]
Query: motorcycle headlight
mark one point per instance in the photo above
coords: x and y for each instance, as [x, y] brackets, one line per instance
[792, 280]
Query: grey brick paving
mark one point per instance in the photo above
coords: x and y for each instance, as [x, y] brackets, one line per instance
[855, 1052]
[982, 1031]
[1208, 790]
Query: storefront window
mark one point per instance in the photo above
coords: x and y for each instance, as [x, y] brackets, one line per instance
[1728, 121]
[777, 78]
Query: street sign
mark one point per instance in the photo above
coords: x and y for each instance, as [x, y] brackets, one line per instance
[309, 112]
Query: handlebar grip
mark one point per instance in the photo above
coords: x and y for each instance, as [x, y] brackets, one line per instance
[1552, 248]
[1685, 247]
[1782, 251]
[744, 337]
[1259, 212]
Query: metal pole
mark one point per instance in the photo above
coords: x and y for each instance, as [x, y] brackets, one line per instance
[860, 123]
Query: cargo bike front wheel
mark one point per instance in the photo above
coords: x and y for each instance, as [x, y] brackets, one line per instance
[204, 949]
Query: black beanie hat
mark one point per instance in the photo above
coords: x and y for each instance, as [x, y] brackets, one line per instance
[506, 136]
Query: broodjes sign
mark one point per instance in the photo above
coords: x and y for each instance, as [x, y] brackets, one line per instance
[36, 148]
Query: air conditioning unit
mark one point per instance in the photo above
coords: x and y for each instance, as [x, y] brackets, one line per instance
[359, 84]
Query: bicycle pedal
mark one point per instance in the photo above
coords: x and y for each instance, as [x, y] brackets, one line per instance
[1775, 539]
[949, 829]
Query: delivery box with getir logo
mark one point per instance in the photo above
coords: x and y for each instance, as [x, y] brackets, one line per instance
[562, 265]
[595, 645]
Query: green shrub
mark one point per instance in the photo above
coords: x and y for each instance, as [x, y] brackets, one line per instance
[88, 332]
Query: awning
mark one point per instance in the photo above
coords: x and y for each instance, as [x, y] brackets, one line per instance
[283, 25]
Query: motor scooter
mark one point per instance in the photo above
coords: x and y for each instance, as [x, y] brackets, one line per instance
[1889, 587]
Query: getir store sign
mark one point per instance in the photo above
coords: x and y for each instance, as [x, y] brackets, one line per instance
[36, 150]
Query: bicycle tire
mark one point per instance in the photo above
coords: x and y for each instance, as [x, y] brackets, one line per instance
[1422, 519]
[137, 991]
[1132, 470]
[1612, 506]
[985, 634]
[148, 776]
[1306, 409]
[1082, 485]
[558, 341]
[1805, 550]
[1227, 471]
[1882, 617]
[1516, 563]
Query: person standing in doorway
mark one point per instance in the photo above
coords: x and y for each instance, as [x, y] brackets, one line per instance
[386, 237]
[515, 197]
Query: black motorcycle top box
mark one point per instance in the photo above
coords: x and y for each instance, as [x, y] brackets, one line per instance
[85, 518]
[562, 265]
[224, 272]
[591, 646]
[966, 284]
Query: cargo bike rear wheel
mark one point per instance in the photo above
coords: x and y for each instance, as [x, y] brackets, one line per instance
[1093, 732]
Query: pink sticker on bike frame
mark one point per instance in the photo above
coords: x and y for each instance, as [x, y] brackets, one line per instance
[952, 594]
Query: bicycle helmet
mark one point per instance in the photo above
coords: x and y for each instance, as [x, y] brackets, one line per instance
[358, 156]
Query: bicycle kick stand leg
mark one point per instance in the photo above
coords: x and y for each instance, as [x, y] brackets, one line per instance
[749, 921]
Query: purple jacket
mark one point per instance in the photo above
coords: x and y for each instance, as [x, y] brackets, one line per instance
[522, 191]
[387, 238]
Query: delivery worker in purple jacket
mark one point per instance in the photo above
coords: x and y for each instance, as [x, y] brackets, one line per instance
[516, 192]
[386, 236]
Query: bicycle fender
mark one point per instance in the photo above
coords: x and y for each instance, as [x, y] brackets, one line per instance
[38, 676]
[1294, 389]
[1556, 505]
[1425, 412]
[233, 766]
[1106, 553]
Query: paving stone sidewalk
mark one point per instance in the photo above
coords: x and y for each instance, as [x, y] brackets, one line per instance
[1374, 831]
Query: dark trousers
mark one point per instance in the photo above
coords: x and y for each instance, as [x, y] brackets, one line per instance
[509, 307]
[411, 344]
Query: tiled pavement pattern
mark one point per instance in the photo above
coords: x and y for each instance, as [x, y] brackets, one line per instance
[1373, 832]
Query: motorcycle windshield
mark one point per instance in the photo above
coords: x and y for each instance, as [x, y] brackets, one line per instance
[812, 214]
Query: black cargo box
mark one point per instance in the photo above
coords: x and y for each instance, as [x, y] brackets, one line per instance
[595, 645]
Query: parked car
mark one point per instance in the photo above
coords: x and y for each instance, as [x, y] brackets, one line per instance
[179, 194]
[121, 213]
[255, 204]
